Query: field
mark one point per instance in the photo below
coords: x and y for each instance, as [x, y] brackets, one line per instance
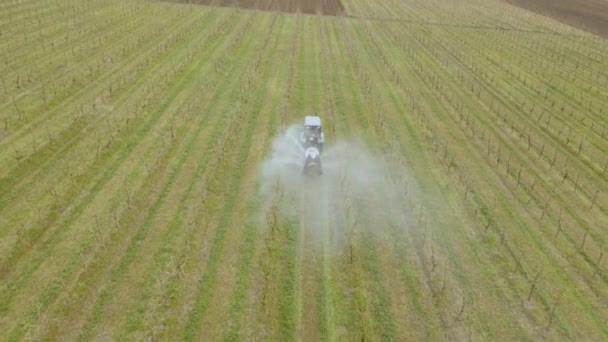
[324, 7]
[590, 15]
[134, 202]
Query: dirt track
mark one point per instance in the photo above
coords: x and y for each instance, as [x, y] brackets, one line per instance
[325, 7]
[589, 15]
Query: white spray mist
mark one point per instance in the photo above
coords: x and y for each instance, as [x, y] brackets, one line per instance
[357, 189]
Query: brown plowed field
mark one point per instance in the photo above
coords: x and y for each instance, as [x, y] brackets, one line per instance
[589, 15]
[325, 7]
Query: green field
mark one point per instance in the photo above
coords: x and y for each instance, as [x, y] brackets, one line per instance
[132, 134]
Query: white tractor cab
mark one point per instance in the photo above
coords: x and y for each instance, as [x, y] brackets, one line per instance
[312, 140]
[312, 135]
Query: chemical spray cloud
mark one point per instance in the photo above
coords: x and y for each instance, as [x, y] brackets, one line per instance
[357, 191]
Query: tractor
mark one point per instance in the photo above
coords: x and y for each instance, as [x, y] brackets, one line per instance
[312, 139]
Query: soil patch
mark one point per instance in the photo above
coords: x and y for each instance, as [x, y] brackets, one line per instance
[323, 7]
[589, 15]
